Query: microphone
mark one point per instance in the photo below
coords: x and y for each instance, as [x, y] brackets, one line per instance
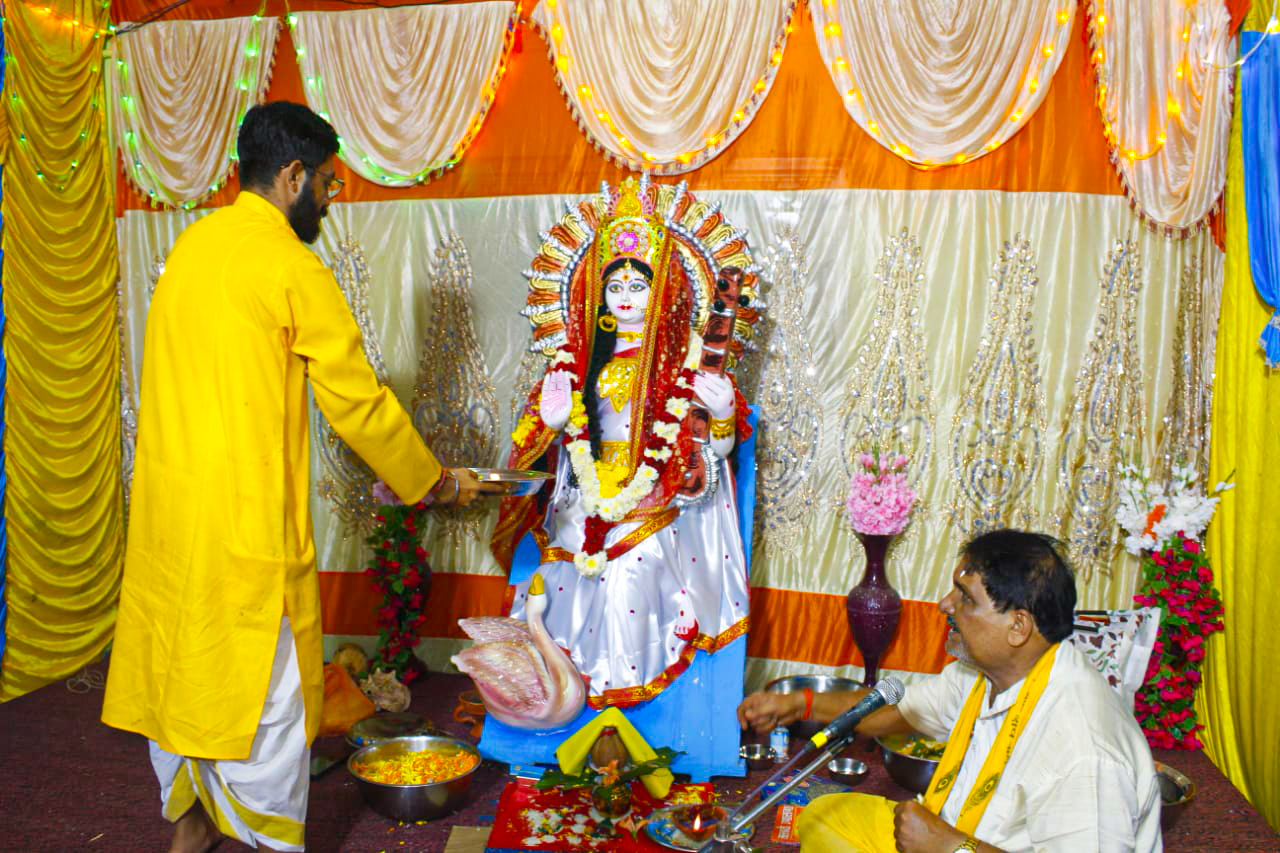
[888, 691]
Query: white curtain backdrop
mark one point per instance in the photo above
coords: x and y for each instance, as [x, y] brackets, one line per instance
[1164, 86]
[1019, 345]
[407, 88]
[664, 85]
[941, 82]
[176, 91]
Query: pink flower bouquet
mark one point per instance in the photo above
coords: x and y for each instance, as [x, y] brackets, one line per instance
[880, 498]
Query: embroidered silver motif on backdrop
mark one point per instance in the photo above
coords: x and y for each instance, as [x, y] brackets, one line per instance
[533, 366]
[1184, 428]
[790, 422]
[1102, 426]
[129, 401]
[888, 403]
[998, 437]
[455, 407]
[347, 482]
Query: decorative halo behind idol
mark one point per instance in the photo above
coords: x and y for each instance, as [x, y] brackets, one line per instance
[702, 277]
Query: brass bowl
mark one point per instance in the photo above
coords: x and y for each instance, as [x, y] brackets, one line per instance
[413, 802]
[1176, 790]
[818, 684]
[909, 771]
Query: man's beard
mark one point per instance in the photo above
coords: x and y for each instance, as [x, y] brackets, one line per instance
[956, 646]
[305, 215]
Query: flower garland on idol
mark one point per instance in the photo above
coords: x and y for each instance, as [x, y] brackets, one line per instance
[604, 511]
[1164, 528]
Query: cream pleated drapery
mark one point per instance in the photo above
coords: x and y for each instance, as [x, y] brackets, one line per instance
[939, 82]
[1164, 88]
[177, 91]
[664, 86]
[406, 88]
[1020, 346]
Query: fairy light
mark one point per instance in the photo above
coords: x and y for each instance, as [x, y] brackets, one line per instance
[713, 139]
[842, 73]
[1173, 109]
[247, 82]
[488, 94]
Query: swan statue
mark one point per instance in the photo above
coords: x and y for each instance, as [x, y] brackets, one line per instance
[524, 678]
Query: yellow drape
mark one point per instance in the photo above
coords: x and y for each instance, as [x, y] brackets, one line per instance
[1236, 702]
[62, 444]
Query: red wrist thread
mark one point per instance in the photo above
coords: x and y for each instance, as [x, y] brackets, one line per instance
[808, 703]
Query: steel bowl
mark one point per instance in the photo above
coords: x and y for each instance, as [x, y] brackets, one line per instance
[909, 771]
[759, 756]
[819, 684]
[1176, 790]
[846, 771]
[413, 802]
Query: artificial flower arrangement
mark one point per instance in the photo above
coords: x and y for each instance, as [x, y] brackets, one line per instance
[1164, 527]
[399, 568]
[880, 497]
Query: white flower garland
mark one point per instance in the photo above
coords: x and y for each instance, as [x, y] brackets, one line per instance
[646, 476]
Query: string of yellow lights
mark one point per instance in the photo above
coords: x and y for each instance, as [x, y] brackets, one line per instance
[314, 83]
[714, 137]
[852, 92]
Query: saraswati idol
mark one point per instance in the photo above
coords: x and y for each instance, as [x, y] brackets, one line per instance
[643, 299]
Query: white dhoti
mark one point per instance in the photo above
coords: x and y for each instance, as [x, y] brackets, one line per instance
[263, 799]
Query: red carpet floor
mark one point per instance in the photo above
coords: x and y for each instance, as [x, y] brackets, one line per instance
[70, 783]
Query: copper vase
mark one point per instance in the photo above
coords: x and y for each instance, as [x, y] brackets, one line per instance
[873, 606]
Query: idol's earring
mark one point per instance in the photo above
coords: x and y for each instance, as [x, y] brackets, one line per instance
[607, 323]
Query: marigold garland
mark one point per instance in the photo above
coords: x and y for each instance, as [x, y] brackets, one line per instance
[399, 568]
[1176, 578]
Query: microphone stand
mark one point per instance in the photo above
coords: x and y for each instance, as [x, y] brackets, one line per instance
[723, 841]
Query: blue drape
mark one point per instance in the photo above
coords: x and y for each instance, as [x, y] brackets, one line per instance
[1260, 139]
[4, 375]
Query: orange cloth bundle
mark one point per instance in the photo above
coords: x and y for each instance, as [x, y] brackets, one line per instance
[344, 704]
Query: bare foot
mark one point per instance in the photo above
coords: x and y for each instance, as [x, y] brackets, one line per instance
[194, 832]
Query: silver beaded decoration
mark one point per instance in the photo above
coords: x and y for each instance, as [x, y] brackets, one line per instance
[455, 405]
[998, 437]
[790, 421]
[1102, 426]
[888, 403]
[347, 482]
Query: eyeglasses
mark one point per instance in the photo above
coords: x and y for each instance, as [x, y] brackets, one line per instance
[332, 185]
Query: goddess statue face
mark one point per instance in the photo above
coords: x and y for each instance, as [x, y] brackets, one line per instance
[626, 293]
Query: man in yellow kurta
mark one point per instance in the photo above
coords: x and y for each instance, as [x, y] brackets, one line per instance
[217, 653]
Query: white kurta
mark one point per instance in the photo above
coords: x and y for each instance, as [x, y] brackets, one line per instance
[629, 627]
[1081, 776]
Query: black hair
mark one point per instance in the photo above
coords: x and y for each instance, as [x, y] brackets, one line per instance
[618, 263]
[602, 351]
[1026, 571]
[275, 134]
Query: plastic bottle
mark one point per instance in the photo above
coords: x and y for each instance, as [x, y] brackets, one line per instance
[779, 740]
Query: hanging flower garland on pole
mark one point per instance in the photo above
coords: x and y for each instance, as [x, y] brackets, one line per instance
[399, 568]
[1164, 533]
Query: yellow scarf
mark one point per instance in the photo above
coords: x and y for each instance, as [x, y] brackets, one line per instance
[989, 777]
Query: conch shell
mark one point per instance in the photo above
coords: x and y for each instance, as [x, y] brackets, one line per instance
[386, 691]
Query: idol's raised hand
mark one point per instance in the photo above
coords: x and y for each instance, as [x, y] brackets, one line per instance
[556, 402]
[716, 394]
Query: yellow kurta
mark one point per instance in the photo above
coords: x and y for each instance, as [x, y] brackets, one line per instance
[220, 540]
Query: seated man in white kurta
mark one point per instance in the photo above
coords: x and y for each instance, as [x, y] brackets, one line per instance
[1042, 754]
